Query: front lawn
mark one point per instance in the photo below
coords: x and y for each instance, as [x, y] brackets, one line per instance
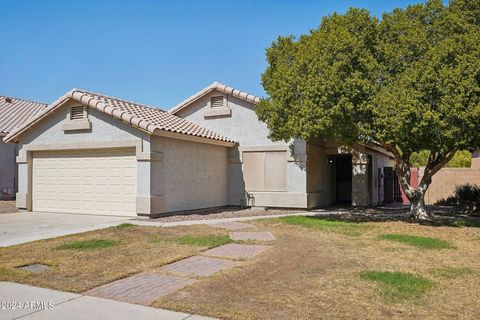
[322, 268]
[84, 261]
[316, 268]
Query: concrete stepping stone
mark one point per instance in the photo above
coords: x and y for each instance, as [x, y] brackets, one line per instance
[232, 225]
[236, 250]
[252, 235]
[142, 288]
[200, 266]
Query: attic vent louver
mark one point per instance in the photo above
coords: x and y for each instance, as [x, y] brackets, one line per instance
[76, 113]
[217, 102]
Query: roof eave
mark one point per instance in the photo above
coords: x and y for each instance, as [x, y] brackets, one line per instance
[187, 137]
[215, 86]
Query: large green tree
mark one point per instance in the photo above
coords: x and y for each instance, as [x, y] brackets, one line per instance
[409, 81]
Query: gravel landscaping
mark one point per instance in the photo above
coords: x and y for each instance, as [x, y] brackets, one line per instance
[219, 213]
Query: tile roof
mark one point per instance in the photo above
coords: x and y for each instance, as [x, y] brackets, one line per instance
[146, 118]
[16, 112]
[216, 86]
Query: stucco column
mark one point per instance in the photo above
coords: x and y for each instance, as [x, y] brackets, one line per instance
[360, 195]
[24, 171]
[149, 199]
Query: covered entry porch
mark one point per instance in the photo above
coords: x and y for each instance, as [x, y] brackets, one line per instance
[347, 175]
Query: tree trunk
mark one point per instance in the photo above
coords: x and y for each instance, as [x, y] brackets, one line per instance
[417, 206]
[416, 196]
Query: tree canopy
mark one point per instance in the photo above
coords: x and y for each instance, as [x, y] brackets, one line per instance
[409, 81]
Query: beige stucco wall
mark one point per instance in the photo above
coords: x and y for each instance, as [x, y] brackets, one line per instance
[320, 176]
[190, 175]
[242, 125]
[8, 170]
[445, 181]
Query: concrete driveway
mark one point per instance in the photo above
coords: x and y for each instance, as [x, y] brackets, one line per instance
[17, 228]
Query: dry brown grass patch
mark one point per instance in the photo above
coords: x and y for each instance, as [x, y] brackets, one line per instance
[79, 270]
[311, 274]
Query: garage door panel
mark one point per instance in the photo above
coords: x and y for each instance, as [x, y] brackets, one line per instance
[89, 182]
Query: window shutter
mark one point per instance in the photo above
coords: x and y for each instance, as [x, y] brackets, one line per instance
[76, 113]
[217, 102]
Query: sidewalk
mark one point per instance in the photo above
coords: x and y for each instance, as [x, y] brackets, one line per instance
[31, 303]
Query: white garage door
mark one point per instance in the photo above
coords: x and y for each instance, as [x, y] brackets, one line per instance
[91, 182]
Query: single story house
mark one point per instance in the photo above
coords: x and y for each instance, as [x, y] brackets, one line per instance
[13, 113]
[94, 154]
[294, 174]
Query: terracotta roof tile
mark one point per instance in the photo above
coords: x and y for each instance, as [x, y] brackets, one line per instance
[15, 112]
[216, 86]
[144, 117]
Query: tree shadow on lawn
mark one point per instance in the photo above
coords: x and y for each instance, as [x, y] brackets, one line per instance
[440, 216]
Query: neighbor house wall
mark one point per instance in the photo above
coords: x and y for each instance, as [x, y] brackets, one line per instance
[106, 132]
[8, 170]
[242, 124]
[189, 175]
[446, 180]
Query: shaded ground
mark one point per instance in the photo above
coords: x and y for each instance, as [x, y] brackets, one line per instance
[439, 215]
[315, 274]
[207, 214]
[83, 261]
[7, 206]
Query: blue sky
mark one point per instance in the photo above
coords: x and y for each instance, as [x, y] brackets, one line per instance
[152, 52]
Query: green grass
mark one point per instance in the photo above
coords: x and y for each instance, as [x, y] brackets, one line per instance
[452, 272]
[398, 286]
[343, 227]
[209, 241]
[88, 244]
[420, 242]
[125, 226]
[5, 272]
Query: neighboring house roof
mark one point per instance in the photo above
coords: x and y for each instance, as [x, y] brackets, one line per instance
[14, 112]
[215, 86]
[140, 116]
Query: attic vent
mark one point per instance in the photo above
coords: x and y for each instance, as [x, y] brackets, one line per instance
[76, 113]
[217, 102]
[8, 100]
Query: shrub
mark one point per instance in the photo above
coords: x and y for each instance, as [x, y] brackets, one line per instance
[466, 198]
[450, 201]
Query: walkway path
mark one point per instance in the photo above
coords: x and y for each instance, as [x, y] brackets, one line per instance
[32, 303]
[144, 288]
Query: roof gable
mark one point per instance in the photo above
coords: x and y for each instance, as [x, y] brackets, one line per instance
[145, 118]
[14, 112]
[215, 86]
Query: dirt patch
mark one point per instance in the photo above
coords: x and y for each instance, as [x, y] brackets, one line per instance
[218, 213]
[7, 206]
[312, 274]
[137, 249]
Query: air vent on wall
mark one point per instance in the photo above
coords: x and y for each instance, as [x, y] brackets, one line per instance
[76, 113]
[217, 102]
